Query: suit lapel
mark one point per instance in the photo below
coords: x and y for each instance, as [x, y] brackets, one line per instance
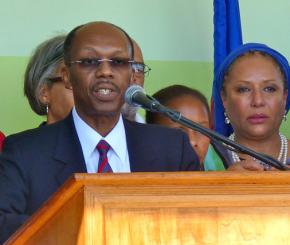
[139, 154]
[68, 151]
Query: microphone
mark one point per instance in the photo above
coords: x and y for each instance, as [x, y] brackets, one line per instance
[135, 96]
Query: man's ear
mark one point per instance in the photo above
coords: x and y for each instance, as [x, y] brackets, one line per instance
[44, 95]
[66, 77]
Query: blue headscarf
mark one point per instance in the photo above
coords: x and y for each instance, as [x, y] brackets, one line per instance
[219, 118]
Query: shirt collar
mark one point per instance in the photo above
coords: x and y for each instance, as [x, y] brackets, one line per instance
[89, 138]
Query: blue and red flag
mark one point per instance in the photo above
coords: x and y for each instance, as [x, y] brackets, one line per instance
[227, 37]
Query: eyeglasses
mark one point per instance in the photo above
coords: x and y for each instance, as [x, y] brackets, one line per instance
[139, 67]
[93, 63]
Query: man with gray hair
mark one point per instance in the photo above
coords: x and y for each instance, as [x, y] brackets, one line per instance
[43, 83]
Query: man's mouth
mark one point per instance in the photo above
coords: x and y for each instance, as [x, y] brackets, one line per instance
[104, 91]
[105, 94]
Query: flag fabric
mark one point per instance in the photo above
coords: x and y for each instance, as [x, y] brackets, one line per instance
[227, 29]
[227, 37]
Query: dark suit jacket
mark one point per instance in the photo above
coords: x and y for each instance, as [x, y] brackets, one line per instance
[35, 163]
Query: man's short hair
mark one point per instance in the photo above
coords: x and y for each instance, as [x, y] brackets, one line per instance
[71, 35]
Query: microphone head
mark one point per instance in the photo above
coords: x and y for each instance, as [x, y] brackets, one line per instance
[130, 92]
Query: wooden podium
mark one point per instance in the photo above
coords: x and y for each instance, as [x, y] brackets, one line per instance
[164, 208]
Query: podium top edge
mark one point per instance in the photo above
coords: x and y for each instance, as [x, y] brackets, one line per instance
[184, 178]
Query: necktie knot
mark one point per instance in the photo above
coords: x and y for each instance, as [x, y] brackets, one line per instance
[103, 166]
[103, 147]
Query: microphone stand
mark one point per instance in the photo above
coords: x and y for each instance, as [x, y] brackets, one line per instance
[175, 116]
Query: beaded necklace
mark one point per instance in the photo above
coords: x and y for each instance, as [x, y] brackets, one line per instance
[282, 154]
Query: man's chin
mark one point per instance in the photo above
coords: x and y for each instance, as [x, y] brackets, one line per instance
[107, 113]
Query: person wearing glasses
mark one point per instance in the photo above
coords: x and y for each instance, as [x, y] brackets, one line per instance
[94, 138]
[140, 71]
[43, 83]
[140, 68]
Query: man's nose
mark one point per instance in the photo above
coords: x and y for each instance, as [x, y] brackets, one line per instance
[104, 69]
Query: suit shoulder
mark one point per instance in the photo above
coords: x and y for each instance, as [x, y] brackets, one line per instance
[155, 130]
[34, 135]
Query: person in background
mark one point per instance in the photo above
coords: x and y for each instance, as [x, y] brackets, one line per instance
[43, 81]
[193, 105]
[140, 70]
[94, 137]
[2, 137]
[250, 102]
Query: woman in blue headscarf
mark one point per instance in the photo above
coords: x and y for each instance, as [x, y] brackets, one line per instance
[250, 101]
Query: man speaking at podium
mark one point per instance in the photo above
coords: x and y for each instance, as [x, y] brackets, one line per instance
[94, 137]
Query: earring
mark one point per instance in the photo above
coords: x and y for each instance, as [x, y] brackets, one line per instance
[285, 116]
[227, 120]
[46, 107]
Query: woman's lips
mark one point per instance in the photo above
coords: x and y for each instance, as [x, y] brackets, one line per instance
[257, 118]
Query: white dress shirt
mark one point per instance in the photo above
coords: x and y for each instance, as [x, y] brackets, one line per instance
[118, 156]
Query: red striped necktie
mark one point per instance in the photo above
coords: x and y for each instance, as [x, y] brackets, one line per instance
[104, 166]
